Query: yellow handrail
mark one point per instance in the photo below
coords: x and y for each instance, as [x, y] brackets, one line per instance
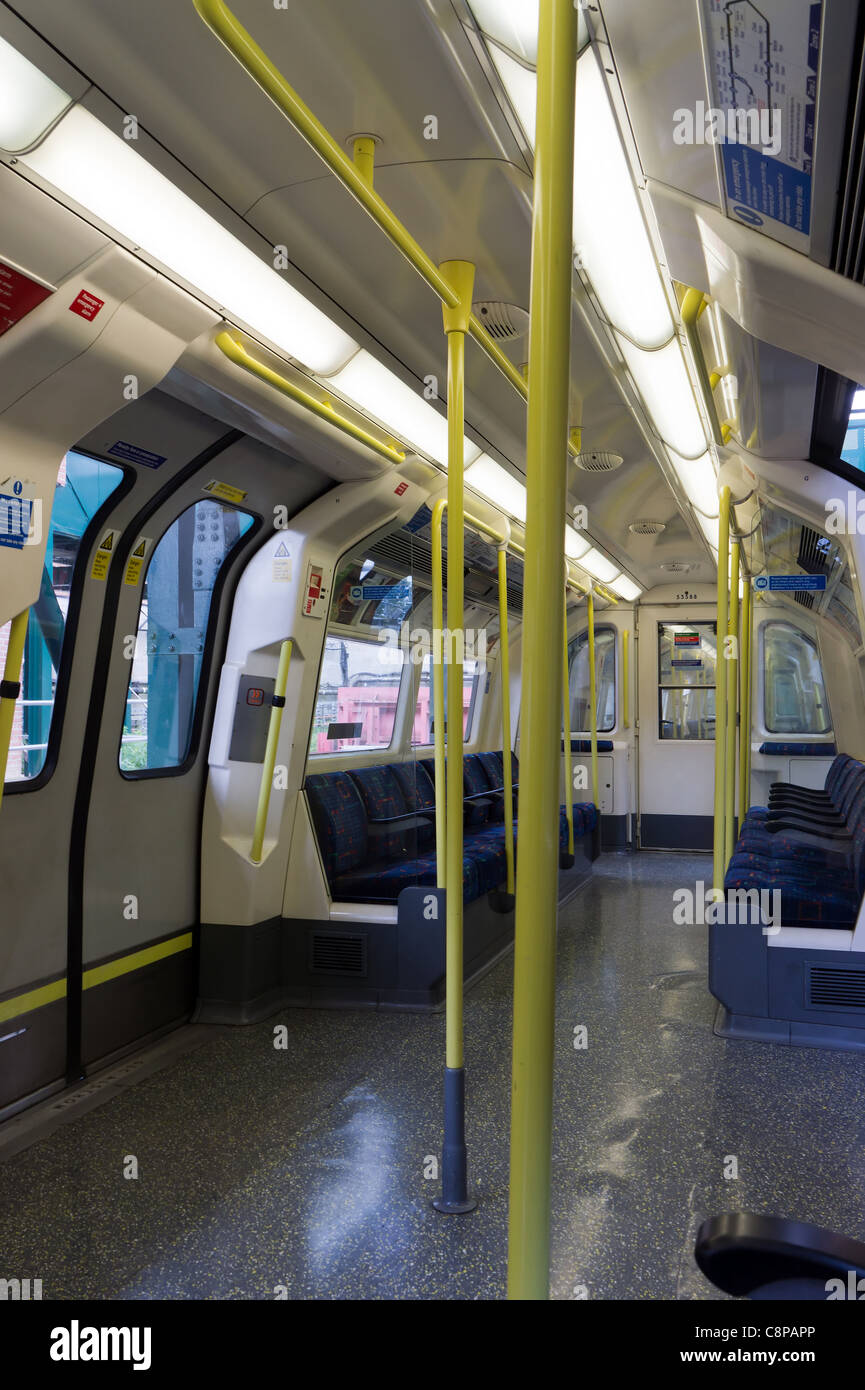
[540, 769]
[745, 705]
[625, 685]
[438, 684]
[732, 707]
[593, 698]
[266, 786]
[242, 46]
[692, 306]
[233, 349]
[11, 687]
[719, 839]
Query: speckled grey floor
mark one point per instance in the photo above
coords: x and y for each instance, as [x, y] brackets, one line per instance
[262, 1170]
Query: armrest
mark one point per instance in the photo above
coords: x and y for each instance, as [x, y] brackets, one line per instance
[742, 1253]
[818, 822]
[411, 820]
[838, 847]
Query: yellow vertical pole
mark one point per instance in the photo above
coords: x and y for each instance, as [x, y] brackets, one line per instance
[10, 688]
[732, 706]
[745, 704]
[593, 700]
[438, 690]
[364, 156]
[718, 861]
[566, 860]
[505, 672]
[454, 1196]
[547, 436]
[626, 692]
[269, 763]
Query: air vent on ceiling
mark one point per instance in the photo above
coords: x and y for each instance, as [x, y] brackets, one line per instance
[676, 567]
[598, 461]
[646, 527]
[337, 953]
[836, 987]
[814, 550]
[806, 599]
[504, 322]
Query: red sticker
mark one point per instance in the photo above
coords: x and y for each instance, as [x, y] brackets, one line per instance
[18, 295]
[87, 305]
[400, 489]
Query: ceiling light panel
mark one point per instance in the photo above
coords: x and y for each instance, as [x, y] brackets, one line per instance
[499, 487]
[105, 175]
[663, 382]
[599, 566]
[625, 588]
[29, 101]
[379, 392]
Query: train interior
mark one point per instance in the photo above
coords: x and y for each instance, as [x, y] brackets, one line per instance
[327, 679]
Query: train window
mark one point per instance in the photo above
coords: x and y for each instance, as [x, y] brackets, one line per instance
[172, 631]
[687, 658]
[423, 728]
[853, 450]
[83, 485]
[358, 692]
[605, 681]
[794, 693]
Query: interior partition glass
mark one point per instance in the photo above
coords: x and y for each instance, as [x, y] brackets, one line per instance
[605, 681]
[83, 485]
[172, 632]
[795, 700]
[687, 659]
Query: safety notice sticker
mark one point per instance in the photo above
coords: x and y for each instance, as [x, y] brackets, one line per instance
[18, 295]
[225, 491]
[133, 454]
[136, 560]
[15, 512]
[763, 62]
[281, 572]
[104, 552]
[315, 599]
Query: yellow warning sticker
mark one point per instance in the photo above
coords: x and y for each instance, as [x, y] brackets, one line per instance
[225, 491]
[136, 560]
[102, 558]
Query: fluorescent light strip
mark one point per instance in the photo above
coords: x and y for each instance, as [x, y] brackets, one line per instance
[521, 85]
[499, 487]
[625, 588]
[514, 23]
[29, 101]
[104, 174]
[698, 479]
[379, 392]
[663, 382]
[599, 566]
[575, 544]
[610, 234]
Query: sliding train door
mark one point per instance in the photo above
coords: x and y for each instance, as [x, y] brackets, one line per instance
[677, 672]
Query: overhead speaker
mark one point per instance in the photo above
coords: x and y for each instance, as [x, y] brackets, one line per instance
[647, 527]
[598, 461]
[504, 322]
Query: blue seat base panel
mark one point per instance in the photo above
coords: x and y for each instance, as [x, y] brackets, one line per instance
[772, 990]
[375, 828]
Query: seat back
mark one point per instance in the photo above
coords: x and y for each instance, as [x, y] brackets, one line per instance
[419, 794]
[340, 820]
[383, 798]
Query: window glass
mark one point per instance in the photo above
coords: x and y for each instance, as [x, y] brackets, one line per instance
[423, 729]
[853, 449]
[605, 681]
[794, 693]
[172, 632]
[358, 693]
[83, 484]
[687, 658]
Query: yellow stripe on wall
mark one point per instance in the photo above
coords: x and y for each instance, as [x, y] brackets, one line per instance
[98, 975]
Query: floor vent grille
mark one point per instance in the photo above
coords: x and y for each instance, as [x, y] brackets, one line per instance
[836, 987]
[337, 953]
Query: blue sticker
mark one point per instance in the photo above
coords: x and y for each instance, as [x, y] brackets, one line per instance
[787, 583]
[132, 454]
[14, 519]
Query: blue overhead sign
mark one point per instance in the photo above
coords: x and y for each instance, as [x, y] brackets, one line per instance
[15, 513]
[787, 583]
[359, 593]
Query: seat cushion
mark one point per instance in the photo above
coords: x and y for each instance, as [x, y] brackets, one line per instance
[804, 902]
[384, 882]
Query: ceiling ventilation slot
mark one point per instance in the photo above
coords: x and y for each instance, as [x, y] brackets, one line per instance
[836, 987]
[848, 256]
[676, 567]
[337, 953]
[504, 322]
[598, 461]
[646, 527]
[806, 599]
